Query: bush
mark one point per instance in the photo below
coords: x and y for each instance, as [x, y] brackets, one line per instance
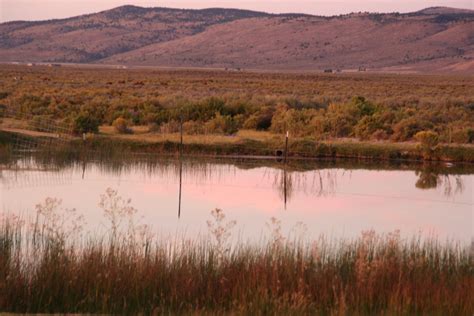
[428, 142]
[85, 123]
[279, 120]
[3, 94]
[318, 127]
[221, 124]
[121, 126]
[342, 118]
[366, 127]
[460, 136]
[380, 134]
[297, 122]
[364, 106]
[153, 128]
[3, 110]
[193, 128]
[470, 134]
[172, 126]
[407, 128]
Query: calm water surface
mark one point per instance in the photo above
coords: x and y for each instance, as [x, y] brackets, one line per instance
[335, 199]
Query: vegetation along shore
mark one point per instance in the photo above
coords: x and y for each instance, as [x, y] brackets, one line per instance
[378, 116]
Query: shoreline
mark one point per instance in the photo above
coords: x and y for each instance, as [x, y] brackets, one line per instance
[298, 149]
[301, 148]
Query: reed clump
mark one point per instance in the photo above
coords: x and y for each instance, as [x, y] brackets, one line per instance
[48, 269]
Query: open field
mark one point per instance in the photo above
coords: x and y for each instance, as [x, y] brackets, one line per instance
[218, 107]
[138, 85]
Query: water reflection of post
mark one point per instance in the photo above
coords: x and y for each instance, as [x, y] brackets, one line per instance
[180, 163]
[180, 182]
[84, 162]
[84, 154]
[284, 168]
[284, 183]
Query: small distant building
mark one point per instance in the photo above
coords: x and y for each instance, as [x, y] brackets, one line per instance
[328, 71]
[238, 69]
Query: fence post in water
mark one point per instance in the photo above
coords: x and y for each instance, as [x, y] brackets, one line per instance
[286, 147]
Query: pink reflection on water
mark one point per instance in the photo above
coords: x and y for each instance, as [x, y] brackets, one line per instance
[349, 202]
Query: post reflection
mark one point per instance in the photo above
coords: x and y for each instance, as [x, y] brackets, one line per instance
[180, 186]
[327, 196]
[317, 180]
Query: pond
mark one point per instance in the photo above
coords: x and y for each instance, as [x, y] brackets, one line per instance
[334, 198]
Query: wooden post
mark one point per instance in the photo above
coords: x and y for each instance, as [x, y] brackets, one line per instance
[286, 147]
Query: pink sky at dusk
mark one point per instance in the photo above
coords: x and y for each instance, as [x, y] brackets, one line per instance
[11, 10]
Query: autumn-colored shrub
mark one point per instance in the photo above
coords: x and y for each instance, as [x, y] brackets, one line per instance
[170, 127]
[221, 124]
[366, 107]
[193, 128]
[121, 125]
[408, 127]
[461, 136]
[428, 142]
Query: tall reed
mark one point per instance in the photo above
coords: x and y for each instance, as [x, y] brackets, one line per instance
[53, 267]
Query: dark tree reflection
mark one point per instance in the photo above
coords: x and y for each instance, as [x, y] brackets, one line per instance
[429, 177]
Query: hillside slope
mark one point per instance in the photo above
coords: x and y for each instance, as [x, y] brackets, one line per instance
[314, 43]
[433, 39]
[92, 37]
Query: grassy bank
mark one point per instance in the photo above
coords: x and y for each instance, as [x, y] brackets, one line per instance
[247, 143]
[50, 269]
[250, 143]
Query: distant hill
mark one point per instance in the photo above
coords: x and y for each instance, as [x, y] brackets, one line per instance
[433, 39]
[445, 10]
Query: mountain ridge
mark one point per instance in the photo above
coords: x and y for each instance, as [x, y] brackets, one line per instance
[437, 38]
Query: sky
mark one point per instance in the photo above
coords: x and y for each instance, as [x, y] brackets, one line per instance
[11, 10]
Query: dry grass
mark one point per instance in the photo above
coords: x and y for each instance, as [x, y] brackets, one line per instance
[112, 86]
[141, 134]
[51, 269]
